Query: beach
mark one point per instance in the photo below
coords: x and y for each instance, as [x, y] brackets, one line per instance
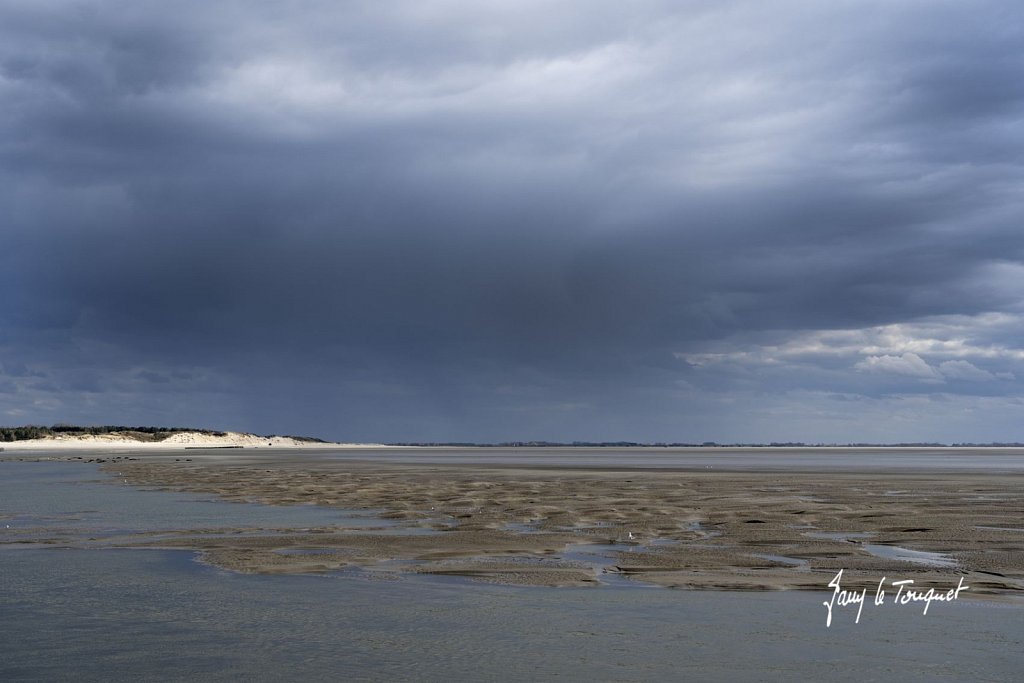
[173, 441]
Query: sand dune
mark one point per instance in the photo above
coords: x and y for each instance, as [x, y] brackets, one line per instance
[176, 441]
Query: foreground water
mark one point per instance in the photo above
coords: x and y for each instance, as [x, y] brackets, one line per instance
[102, 614]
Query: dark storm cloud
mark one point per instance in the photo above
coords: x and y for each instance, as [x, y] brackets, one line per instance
[426, 221]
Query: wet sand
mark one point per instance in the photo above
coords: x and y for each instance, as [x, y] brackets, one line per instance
[690, 529]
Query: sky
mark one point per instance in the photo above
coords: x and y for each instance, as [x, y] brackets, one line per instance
[491, 221]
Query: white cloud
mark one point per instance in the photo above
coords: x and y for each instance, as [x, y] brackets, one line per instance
[907, 365]
[961, 369]
[944, 337]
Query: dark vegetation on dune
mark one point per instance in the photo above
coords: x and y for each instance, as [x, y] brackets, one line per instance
[137, 433]
[149, 434]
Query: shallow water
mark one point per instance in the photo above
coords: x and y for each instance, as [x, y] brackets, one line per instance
[894, 552]
[79, 499]
[101, 614]
[838, 535]
[781, 559]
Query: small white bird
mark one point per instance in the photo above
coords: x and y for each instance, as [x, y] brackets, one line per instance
[631, 536]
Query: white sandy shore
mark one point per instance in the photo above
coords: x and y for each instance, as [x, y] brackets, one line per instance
[176, 441]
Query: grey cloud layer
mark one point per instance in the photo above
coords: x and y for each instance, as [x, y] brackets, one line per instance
[418, 221]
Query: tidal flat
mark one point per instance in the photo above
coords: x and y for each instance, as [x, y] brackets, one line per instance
[728, 529]
[281, 564]
[580, 523]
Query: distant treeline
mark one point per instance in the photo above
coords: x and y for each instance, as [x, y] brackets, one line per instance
[137, 433]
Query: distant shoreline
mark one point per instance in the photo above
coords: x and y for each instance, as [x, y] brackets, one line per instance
[62, 436]
[188, 441]
[176, 441]
[709, 444]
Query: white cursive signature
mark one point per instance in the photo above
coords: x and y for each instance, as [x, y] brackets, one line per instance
[904, 594]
